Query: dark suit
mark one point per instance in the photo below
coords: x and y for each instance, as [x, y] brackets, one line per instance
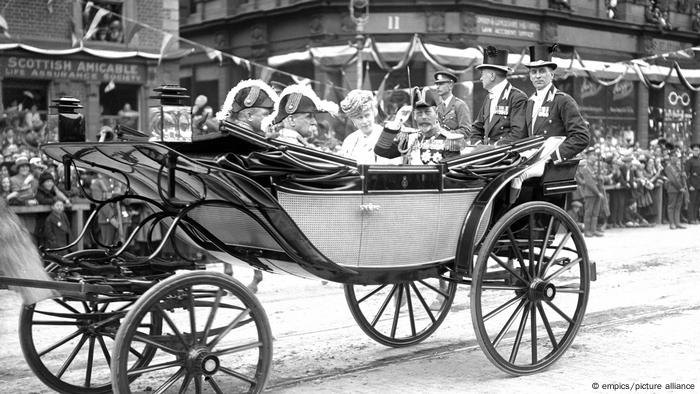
[454, 117]
[692, 167]
[559, 116]
[509, 119]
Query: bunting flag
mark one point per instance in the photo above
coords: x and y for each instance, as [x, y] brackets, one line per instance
[166, 40]
[4, 29]
[101, 13]
[75, 34]
[49, 6]
[110, 86]
[214, 54]
[366, 83]
[130, 30]
[266, 74]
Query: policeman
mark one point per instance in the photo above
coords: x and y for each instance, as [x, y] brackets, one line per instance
[503, 111]
[453, 113]
[247, 104]
[692, 168]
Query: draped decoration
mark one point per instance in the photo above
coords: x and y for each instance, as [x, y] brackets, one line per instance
[593, 77]
[683, 79]
[646, 82]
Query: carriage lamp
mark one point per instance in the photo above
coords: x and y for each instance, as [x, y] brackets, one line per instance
[71, 124]
[172, 120]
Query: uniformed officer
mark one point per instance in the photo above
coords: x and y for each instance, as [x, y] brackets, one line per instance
[551, 112]
[503, 111]
[453, 113]
[428, 144]
[692, 167]
[247, 104]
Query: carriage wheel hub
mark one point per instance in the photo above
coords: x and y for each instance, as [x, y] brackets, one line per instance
[201, 360]
[541, 290]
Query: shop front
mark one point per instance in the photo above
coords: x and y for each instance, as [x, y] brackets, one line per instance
[111, 85]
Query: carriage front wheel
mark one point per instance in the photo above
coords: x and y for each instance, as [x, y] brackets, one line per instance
[530, 288]
[215, 338]
[401, 314]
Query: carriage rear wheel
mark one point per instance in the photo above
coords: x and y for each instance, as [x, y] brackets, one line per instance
[401, 314]
[67, 342]
[530, 288]
[215, 338]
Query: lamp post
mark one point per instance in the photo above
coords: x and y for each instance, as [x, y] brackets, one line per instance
[359, 13]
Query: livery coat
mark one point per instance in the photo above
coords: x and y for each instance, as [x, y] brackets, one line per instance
[509, 119]
[559, 116]
[454, 117]
[692, 167]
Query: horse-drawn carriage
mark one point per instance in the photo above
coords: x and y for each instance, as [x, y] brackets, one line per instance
[389, 234]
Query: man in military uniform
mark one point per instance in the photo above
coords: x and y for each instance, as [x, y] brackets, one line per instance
[452, 113]
[296, 110]
[429, 143]
[503, 111]
[692, 167]
[247, 104]
[551, 113]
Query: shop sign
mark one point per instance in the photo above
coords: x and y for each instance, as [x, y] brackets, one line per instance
[678, 104]
[507, 27]
[84, 70]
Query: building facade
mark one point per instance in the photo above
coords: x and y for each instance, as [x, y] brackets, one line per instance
[96, 54]
[314, 39]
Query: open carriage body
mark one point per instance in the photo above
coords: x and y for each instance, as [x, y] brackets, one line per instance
[400, 239]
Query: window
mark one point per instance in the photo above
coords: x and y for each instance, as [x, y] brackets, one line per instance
[109, 26]
[120, 105]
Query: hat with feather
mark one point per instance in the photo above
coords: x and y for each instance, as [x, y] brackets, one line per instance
[495, 58]
[251, 93]
[299, 99]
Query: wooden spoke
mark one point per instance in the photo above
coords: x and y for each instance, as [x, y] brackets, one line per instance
[533, 333]
[193, 324]
[237, 375]
[518, 254]
[547, 326]
[397, 309]
[373, 292]
[228, 329]
[141, 337]
[559, 311]
[60, 343]
[509, 323]
[531, 244]
[519, 335]
[435, 289]
[562, 269]
[88, 368]
[171, 324]
[239, 348]
[422, 301]
[105, 352]
[383, 307]
[503, 307]
[510, 269]
[409, 304]
[71, 357]
[550, 225]
[185, 383]
[65, 305]
[212, 314]
[556, 252]
[171, 381]
[214, 385]
[155, 367]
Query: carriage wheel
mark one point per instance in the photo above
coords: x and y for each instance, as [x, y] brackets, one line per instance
[215, 337]
[401, 314]
[528, 297]
[67, 342]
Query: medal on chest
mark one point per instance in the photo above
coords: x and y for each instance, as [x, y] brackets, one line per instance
[501, 110]
[543, 113]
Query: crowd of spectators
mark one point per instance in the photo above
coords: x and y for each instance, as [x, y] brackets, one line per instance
[621, 185]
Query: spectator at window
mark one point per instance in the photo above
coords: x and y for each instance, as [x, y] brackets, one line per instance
[33, 119]
[560, 5]
[695, 24]
[116, 33]
[611, 6]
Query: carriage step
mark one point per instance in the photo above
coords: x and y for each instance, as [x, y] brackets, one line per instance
[593, 271]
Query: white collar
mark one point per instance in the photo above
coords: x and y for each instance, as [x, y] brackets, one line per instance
[447, 100]
[497, 90]
[541, 94]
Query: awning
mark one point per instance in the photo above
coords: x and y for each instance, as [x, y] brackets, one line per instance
[101, 53]
[393, 51]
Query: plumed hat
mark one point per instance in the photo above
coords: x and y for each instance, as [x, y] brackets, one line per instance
[444, 76]
[495, 58]
[251, 93]
[357, 102]
[424, 97]
[541, 55]
[299, 99]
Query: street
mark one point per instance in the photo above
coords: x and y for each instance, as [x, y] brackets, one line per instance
[639, 332]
